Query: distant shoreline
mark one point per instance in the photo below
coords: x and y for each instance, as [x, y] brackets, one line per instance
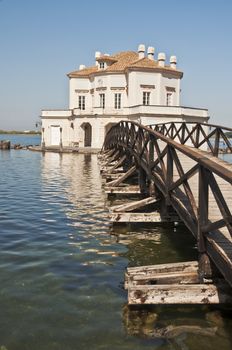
[14, 132]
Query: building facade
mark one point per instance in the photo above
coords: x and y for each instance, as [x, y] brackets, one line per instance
[125, 86]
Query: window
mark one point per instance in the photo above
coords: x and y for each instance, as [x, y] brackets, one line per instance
[117, 101]
[102, 100]
[102, 65]
[169, 99]
[146, 98]
[81, 103]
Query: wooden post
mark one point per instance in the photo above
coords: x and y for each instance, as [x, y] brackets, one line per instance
[183, 133]
[169, 178]
[143, 181]
[216, 142]
[205, 270]
[151, 184]
[43, 142]
[127, 164]
[197, 135]
[61, 144]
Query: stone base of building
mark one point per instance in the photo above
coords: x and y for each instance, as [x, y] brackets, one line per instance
[57, 149]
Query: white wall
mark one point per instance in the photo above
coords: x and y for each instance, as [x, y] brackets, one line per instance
[78, 84]
[67, 131]
[98, 129]
[173, 83]
[136, 91]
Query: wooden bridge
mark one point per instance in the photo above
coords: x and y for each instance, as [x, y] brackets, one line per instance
[179, 174]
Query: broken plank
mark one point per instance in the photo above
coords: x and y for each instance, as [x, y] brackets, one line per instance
[119, 162]
[149, 270]
[187, 277]
[136, 217]
[110, 170]
[112, 176]
[106, 153]
[123, 189]
[133, 205]
[141, 217]
[113, 157]
[123, 177]
[180, 294]
[178, 266]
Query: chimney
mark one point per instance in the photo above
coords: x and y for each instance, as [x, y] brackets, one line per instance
[150, 53]
[81, 66]
[173, 62]
[97, 55]
[161, 59]
[141, 51]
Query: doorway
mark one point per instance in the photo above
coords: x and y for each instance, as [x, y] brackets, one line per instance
[87, 134]
[55, 135]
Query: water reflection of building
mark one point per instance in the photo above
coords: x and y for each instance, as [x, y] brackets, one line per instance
[73, 182]
[78, 176]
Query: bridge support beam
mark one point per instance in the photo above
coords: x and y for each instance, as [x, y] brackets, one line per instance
[142, 176]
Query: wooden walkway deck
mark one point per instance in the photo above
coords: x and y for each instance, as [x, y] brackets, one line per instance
[175, 168]
[218, 241]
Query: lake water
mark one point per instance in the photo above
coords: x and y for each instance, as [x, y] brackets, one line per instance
[22, 139]
[62, 265]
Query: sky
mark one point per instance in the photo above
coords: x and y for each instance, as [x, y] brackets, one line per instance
[41, 41]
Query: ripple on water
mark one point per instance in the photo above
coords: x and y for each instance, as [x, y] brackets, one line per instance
[62, 264]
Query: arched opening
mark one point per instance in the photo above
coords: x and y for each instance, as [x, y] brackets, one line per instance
[108, 127]
[87, 134]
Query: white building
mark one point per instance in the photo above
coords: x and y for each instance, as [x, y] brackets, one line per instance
[125, 86]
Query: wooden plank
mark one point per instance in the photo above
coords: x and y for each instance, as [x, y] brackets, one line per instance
[113, 165]
[123, 189]
[180, 294]
[221, 255]
[112, 176]
[191, 191]
[123, 177]
[140, 217]
[110, 170]
[151, 270]
[180, 277]
[133, 205]
[118, 163]
[161, 268]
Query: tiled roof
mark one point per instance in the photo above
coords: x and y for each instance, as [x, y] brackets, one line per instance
[106, 58]
[124, 59]
[144, 62]
[121, 62]
[151, 64]
[83, 72]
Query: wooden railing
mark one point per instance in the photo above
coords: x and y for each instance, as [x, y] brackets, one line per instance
[199, 135]
[197, 191]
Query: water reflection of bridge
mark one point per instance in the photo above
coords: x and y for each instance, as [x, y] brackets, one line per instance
[178, 172]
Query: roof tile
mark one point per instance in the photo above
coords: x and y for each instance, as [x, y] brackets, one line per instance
[122, 61]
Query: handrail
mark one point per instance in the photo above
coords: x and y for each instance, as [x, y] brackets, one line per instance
[196, 134]
[202, 158]
[143, 143]
[205, 124]
[187, 178]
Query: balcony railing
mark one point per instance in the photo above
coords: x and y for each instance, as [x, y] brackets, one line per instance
[155, 110]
